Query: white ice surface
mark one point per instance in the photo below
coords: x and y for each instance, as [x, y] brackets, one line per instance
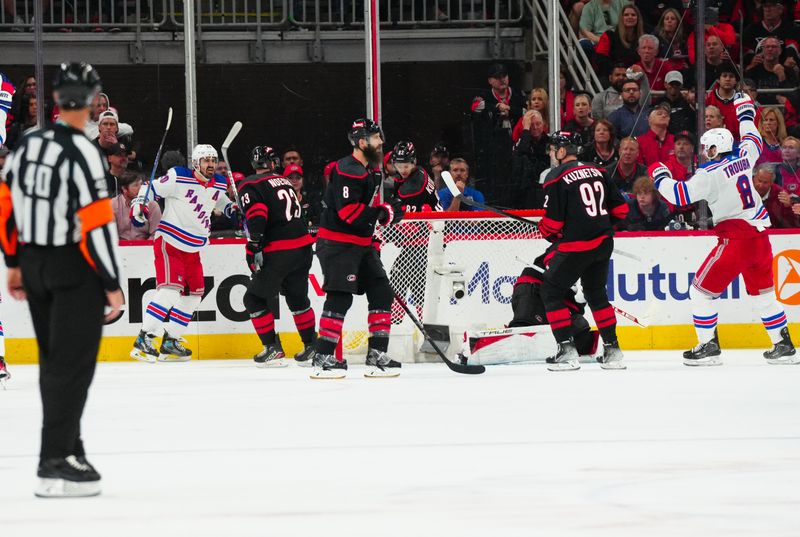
[224, 449]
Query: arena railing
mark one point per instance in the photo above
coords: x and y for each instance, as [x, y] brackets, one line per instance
[92, 15]
[572, 55]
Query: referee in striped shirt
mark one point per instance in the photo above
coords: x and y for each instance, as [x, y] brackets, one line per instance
[59, 238]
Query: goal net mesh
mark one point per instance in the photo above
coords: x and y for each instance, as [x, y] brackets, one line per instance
[432, 258]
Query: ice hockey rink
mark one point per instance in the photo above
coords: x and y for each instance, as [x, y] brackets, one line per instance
[220, 448]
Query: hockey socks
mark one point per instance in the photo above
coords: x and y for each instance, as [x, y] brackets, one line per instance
[2, 340]
[157, 311]
[264, 323]
[305, 322]
[330, 332]
[181, 314]
[606, 321]
[380, 325]
[772, 315]
[704, 314]
[561, 323]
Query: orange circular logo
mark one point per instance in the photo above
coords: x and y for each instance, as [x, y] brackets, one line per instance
[786, 271]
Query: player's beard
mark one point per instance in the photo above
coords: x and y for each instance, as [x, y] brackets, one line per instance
[373, 154]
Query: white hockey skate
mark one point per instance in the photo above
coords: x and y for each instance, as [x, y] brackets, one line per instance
[326, 367]
[612, 357]
[566, 359]
[380, 365]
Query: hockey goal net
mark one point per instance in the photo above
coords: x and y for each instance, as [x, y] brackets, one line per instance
[453, 269]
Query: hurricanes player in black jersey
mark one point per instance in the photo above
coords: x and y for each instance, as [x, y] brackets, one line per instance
[580, 203]
[349, 260]
[279, 255]
[415, 192]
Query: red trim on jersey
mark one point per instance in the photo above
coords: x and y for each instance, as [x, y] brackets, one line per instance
[549, 226]
[348, 175]
[526, 279]
[421, 189]
[350, 212]
[289, 244]
[338, 236]
[257, 209]
[620, 211]
[581, 246]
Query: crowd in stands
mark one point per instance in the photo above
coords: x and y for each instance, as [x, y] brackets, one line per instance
[643, 52]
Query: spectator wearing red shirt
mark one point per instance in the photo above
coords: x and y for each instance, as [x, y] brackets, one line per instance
[657, 144]
[619, 45]
[655, 68]
[684, 162]
[722, 94]
[779, 207]
[723, 30]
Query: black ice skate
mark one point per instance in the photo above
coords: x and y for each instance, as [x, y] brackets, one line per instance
[783, 352]
[380, 365]
[70, 477]
[566, 359]
[305, 358]
[172, 350]
[704, 353]
[4, 374]
[271, 356]
[143, 348]
[326, 366]
[612, 357]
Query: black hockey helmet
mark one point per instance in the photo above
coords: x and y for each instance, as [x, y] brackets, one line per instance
[565, 138]
[264, 157]
[572, 141]
[75, 85]
[404, 152]
[441, 150]
[363, 128]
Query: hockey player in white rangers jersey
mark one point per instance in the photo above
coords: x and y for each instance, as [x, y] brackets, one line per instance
[743, 247]
[190, 197]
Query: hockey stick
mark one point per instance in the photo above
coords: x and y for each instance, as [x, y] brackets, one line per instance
[458, 368]
[232, 134]
[451, 186]
[620, 311]
[158, 155]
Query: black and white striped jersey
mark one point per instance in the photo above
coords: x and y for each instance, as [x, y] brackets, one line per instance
[57, 179]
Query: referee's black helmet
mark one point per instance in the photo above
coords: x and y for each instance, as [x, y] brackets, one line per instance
[75, 85]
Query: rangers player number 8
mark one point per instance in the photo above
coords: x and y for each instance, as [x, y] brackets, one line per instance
[745, 192]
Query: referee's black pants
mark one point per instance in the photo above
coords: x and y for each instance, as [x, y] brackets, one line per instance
[66, 300]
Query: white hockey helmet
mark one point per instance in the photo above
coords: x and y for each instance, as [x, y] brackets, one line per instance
[202, 151]
[720, 138]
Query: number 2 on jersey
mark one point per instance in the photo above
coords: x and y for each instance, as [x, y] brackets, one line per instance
[745, 192]
[593, 204]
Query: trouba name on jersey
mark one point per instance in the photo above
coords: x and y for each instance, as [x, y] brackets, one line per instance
[737, 167]
[582, 173]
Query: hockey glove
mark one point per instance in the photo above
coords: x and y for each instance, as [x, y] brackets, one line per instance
[234, 213]
[254, 256]
[745, 108]
[659, 171]
[139, 212]
[386, 214]
[478, 105]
